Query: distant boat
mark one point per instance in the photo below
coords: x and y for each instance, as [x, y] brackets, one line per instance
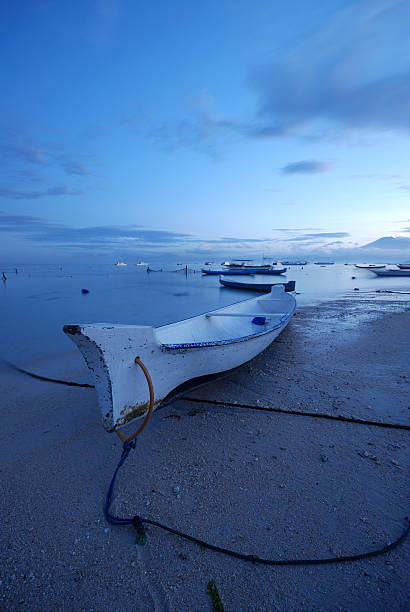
[120, 263]
[257, 266]
[405, 266]
[254, 285]
[209, 263]
[173, 354]
[141, 263]
[245, 271]
[369, 266]
[229, 264]
[324, 263]
[230, 271]
[294, 263]
[265, 270]
[391, 272]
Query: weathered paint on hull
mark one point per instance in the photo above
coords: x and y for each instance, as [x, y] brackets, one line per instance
[173, 354]
[110, 352]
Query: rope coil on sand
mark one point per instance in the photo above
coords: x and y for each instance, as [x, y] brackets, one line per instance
[138, 522]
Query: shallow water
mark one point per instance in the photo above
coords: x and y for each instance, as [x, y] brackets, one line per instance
[36, 302]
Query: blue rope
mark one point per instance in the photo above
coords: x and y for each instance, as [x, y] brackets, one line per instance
[137, 522]
[115, 520]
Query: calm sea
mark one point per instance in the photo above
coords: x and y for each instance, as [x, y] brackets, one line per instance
[38, 300]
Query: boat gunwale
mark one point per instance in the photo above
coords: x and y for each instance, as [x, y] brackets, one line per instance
[187, 345]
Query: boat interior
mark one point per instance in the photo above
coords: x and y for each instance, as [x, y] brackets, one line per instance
[234, 323]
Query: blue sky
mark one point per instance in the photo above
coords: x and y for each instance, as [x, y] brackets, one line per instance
[134, 129]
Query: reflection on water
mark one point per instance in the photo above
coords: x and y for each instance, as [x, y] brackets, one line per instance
[36, 303]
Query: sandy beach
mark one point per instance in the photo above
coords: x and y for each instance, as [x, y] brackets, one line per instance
[270, 484]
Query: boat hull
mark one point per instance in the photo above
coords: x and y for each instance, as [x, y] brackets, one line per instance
[236, 272]
[392, 272]
[245, 271]
[110, 351]
[265, 287]
[369, 267]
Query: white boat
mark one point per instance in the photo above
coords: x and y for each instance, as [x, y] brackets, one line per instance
[256, 284]
[370, 266]
[294, 263]
[173, 354]
[391, 272]
[120, 263]
[141, 263]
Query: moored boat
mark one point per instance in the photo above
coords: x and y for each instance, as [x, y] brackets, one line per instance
[294, 263]
[257, 266]
[173, 354]
[391, 272]
[230, 271]
[254, 285]
[370, 266]
[405, 266]
[245, 271]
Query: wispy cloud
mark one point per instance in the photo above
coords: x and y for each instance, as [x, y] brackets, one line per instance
[306, 167]
[340, 77]
[106, 238]
[296, 229]
[21, 161]
[72, 167]
[27, 153]
[17, 194]
[320, 237]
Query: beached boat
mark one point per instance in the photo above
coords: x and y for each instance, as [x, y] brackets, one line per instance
[370, 266]
[391, 272]
[405, 266]
[254, 285]
[173, 354]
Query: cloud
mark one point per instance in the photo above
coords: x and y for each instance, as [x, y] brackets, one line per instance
[296, 229]
[306, 167]
[319, 237]
[39, 230]
[21, 223]
[350, 73]
[234, 240]
[21, 164]
[16, 194]
[340, 76]
[72, 167]
[26, 153]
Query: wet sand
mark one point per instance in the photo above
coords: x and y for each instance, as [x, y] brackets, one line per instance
[274, 485]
